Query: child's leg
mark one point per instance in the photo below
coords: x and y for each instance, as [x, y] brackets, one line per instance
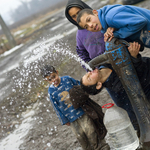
[80, 135]
[90, 131]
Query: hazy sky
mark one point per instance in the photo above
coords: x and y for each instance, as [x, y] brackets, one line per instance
[6, 5]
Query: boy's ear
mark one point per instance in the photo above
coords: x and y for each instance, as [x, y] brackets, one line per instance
[95, 12]
[99, 85]
[57, 72]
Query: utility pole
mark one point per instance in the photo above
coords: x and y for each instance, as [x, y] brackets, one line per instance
[6, 31]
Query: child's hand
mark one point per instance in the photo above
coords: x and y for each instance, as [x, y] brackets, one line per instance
[68, 124]
[109, 34]
[134, 49]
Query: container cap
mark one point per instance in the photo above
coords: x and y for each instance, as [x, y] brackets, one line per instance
[109, 105]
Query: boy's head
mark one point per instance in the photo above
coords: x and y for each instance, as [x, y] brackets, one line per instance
[72, 9]
[73, 12]
[88, 19]
[78, 94]
[50, 74]
[90, 82]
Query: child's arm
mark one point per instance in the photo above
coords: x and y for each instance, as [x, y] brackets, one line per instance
[81, 50]
[140, 64]
[134, 49]
[126, 22]
[109, 34]
[84, 55]
[68, 124]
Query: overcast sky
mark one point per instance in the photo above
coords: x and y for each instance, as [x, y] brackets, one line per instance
[6, 5]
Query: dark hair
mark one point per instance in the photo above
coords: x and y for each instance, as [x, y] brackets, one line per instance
[78, 93]
[47, 70]
[90, 89]
[82, 12]
[78, 97]
[75, 3]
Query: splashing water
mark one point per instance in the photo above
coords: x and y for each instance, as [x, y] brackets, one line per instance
[70, 54]
[27, 76]
[29, 71]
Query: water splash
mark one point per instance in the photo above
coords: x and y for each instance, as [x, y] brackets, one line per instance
[28, 77]
[29, 71]
[67, 52]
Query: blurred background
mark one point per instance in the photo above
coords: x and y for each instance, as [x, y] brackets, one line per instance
[23, 18]
[34, 33]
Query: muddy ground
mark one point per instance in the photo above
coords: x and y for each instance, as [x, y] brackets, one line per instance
[45, 132]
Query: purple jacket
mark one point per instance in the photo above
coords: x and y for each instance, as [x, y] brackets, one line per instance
[89, 44]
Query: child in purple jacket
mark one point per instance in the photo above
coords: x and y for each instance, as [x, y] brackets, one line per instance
[89, 44]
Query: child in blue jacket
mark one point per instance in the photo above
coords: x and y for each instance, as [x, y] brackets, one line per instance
[130, 22]
[81, 125]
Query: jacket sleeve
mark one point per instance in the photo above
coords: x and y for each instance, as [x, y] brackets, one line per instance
[60, 115]
[83, 54]
[127, 22]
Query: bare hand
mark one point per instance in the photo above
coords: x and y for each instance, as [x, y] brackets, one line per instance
[68, 124]
[134, 49]
[109, 34]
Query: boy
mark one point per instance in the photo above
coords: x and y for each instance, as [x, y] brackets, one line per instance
[80, 123]
[130, 22]
[88, 44]
[94, 81]
[81, 99]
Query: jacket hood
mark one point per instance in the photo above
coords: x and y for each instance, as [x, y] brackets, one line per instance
[76, 3]
[102, 12]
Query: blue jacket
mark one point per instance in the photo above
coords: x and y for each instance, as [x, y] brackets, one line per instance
[129, 21]
[59, 97]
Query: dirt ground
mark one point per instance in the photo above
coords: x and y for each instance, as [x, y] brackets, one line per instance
[45, 132]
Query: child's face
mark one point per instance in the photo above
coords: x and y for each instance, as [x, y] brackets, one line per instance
[53, 79]
[91, 78]
[91, 22]
[73, 12]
